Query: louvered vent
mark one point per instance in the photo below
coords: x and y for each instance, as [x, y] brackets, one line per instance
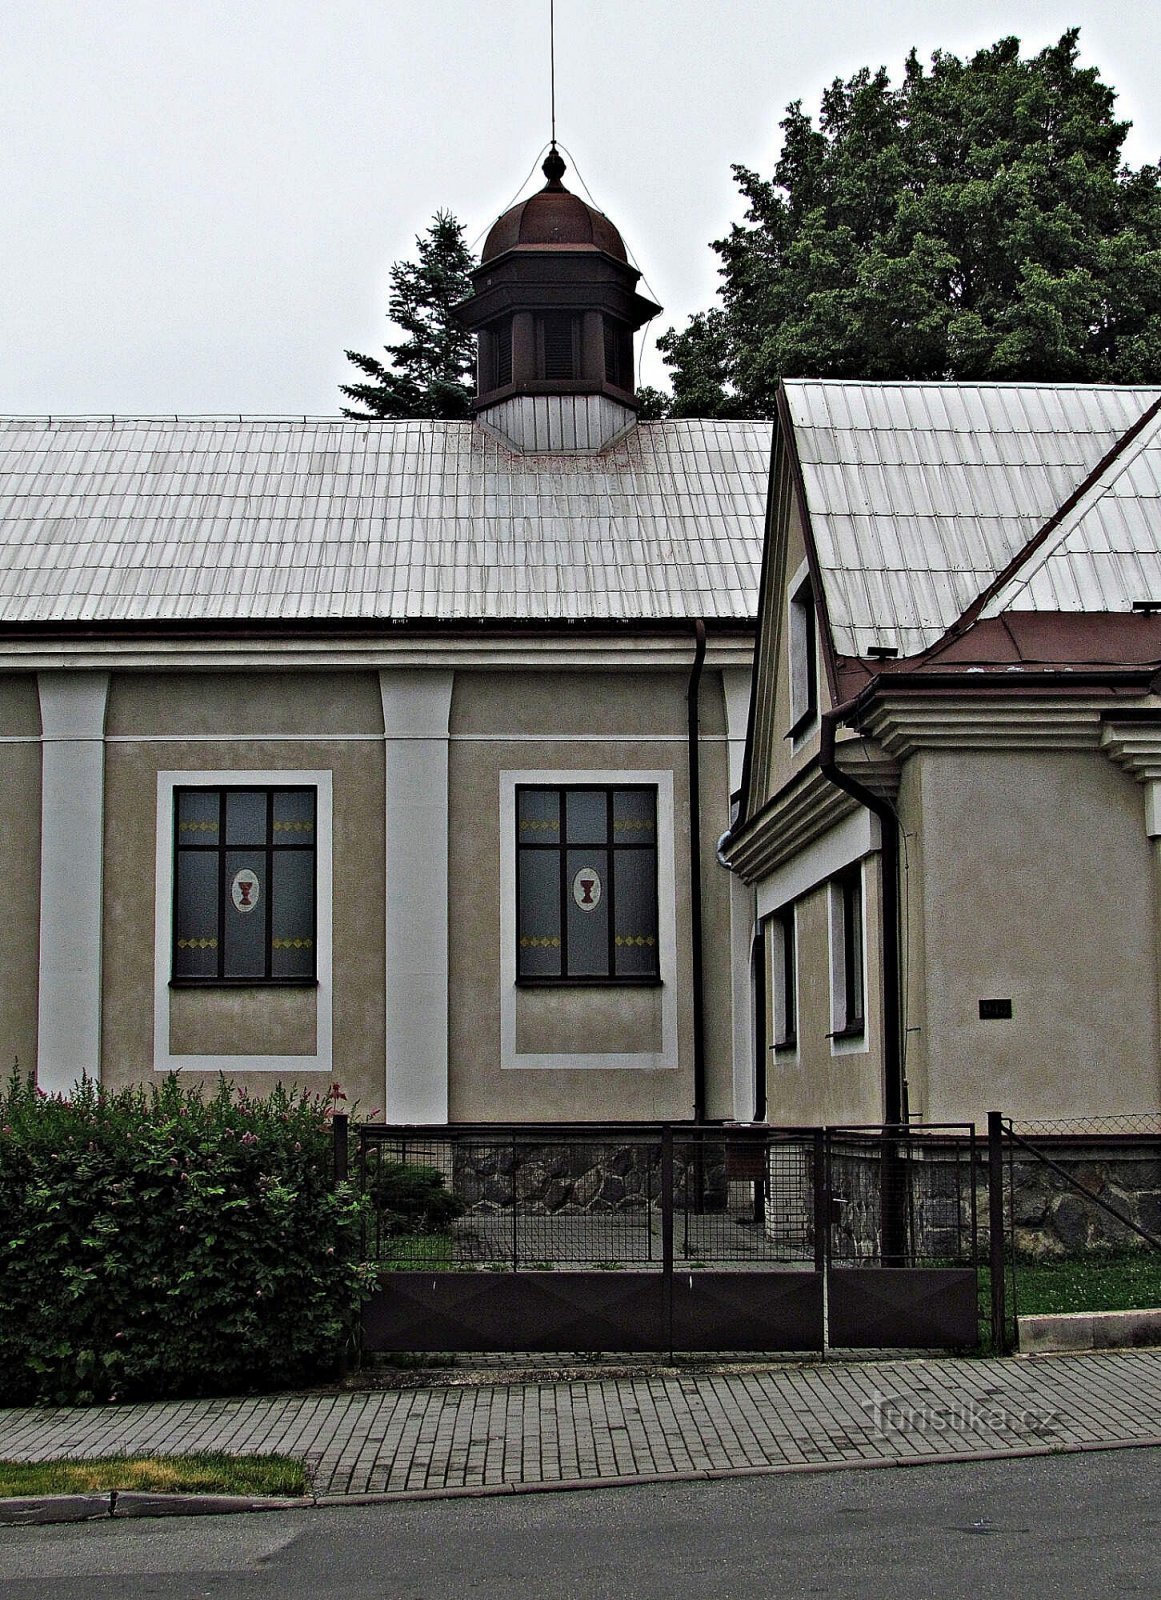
[558, 331]
[618, 355]
[503, 354]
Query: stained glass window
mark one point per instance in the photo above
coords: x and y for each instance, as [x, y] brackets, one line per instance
[586, 884]
[244, 885]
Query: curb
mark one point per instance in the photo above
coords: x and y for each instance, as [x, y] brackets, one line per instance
[38, 1509]
[1063, 1332]
[46, 1509]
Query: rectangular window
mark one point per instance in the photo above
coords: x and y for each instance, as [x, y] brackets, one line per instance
[803, 660]
[848, 1001]
[244, 891]
[586, 884]
[784, 977]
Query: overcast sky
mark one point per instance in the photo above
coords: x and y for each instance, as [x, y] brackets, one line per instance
[200, 200]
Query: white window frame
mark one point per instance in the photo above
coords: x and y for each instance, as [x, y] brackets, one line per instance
[644, 1060]
[164, 1059]
[855, 1043]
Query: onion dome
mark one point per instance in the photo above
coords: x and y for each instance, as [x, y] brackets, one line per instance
[554, 217]
[554, 307]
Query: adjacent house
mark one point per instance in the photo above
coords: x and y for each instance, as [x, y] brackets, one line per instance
[391, 753]
[951, 812]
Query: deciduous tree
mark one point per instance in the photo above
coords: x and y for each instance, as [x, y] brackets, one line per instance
[974, 222]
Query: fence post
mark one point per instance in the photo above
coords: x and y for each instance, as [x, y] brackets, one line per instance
[821, 1201]
[339, 1134]
[996, 1252]
[822, 1222]
[667, 1236]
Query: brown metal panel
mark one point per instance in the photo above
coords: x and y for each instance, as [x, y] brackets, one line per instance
[515, 1311]
[747, 1311]
[915, 1307]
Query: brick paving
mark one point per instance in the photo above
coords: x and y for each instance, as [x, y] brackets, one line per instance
[492, 1434]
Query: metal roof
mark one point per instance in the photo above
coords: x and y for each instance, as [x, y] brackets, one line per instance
[921, 494]
[203, 519]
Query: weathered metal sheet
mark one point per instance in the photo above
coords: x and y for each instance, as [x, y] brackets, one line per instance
[921, 1307]
[156, 520]
[569, 1311]
[747, 1310]
[921, 494]
[515, 1310]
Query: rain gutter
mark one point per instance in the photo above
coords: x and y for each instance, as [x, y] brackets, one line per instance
[895, 1108]
[692, 694]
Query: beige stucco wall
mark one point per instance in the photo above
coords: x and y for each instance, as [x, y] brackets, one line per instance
[562, 722]
[223, 722]
[1037, 884]
[818, 1082]
[20, 867]
[153, 725]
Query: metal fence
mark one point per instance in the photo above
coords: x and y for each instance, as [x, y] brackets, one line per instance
[902, 1196]
[523, 1198]
[647, 1236]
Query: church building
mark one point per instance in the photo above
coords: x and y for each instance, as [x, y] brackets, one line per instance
[391, 754]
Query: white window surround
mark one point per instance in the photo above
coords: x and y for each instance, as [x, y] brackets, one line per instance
[164, 1060]
[782, 1055]
[856, 1044]
[646, 1060]
[802, 656]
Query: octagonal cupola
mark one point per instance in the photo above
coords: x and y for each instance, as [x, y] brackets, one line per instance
[554, 309]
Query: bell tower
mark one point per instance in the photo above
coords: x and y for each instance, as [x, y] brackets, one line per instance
[554, 309]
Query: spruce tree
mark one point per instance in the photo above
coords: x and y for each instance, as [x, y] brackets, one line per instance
[430, 372]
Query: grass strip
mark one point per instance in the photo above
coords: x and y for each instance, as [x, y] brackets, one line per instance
[1094, 1283]
[194, 1474]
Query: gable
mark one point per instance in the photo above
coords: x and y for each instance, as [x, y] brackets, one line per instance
[919, 495]
[771, 754]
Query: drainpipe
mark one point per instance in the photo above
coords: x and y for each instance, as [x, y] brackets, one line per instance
[894, 1083]
[691, 701]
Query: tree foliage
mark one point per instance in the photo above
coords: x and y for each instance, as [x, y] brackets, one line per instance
[431, 370]
[975, 222]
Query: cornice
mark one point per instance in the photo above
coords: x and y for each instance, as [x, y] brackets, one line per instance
[361, 654]
[1136, 747]
[999, 722]
[787, 822]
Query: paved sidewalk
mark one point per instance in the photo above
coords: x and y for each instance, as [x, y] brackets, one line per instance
[495, 1435]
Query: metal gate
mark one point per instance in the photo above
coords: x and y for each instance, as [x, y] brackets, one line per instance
[630, 1237]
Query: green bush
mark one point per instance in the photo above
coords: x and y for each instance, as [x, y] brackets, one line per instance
[163, 1243]
[411, 1199]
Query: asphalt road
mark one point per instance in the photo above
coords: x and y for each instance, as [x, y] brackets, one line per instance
[1057, 1527]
